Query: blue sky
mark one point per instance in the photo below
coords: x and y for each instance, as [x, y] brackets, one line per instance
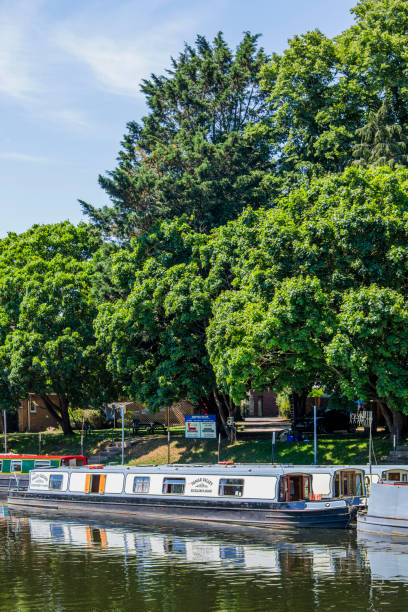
[69, 82]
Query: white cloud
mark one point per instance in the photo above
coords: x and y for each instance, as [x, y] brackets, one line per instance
[118, 68]
[120, 59]
[29, 61]
[15, 57]
[23, 157]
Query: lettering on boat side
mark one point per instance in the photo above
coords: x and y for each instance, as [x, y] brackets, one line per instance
[202, 485]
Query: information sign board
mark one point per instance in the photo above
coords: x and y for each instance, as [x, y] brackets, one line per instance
[201, 426]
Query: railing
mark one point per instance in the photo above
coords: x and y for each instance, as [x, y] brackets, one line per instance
[17, 484]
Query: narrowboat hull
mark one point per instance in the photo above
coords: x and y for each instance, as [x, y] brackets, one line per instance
[387, 511]
[382, 525]
[273, 515]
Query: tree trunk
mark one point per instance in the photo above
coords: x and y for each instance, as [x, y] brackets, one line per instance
[298, 405]
[221, 410]
[396, 421]
[59, 412]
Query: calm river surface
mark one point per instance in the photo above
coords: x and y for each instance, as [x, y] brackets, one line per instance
[51, 563]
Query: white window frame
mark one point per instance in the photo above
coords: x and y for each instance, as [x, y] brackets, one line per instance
[12, 466]
[142, 480]
[41, 463]
[172, 481]
[56, 476]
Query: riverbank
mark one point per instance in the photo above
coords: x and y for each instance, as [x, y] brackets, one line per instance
[153, 449]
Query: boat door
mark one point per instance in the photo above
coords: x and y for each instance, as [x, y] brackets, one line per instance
[295, 487]
[95, 483]
[348, 482]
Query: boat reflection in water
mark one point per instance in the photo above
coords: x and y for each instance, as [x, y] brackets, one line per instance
[327, 553]
[387, 556]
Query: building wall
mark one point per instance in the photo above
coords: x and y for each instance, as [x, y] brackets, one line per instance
[33, 416]
[262, 404]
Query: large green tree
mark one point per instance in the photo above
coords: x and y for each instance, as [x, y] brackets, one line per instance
[326, 98]
[290, 291]
[47, 343]
[190, 155]
[369, 350]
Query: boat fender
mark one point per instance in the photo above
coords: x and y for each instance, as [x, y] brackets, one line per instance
[225, 463]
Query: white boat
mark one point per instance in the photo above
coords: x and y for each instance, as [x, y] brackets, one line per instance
[264, 496]
[387, 511]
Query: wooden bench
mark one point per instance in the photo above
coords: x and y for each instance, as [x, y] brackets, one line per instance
[149, 428]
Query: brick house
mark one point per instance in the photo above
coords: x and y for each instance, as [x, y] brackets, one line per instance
[33, 416]
[261, 404]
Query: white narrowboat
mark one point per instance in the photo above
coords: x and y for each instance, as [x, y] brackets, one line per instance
[266, 496]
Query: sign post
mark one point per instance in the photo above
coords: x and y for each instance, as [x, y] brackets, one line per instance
[364, 418]
[273, 446]
[5, 430]
[315, 433]
[168, 446]
[122, 416]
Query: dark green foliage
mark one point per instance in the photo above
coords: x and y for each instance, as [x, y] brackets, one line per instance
[383, 141]
[190, 155]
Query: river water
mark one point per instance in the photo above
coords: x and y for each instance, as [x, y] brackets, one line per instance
[54, 563]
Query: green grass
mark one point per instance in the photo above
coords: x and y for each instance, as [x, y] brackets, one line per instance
[58, 444]
[331, 450]
[153, 449]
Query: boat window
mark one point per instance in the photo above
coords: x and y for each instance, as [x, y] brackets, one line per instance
[56, 481]
[95, 483]
[175, 545]
[40, 463]
[174, 485]
[295, 487]
[141, 484]
[348, 482]
[15, 466]
[57, 531]
[1, 465]
[231, 486]
[73, 462]
[396, 476]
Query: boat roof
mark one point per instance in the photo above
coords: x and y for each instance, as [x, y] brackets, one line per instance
[25, 456]
[236, 469]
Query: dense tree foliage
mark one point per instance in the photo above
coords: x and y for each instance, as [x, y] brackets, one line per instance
[47, 343]
[300, 295]
[334, 100]
[259, 216]
[155, 336]
[190, 155]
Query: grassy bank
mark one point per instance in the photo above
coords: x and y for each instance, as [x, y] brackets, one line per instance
[330, 451]
[153, 449]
